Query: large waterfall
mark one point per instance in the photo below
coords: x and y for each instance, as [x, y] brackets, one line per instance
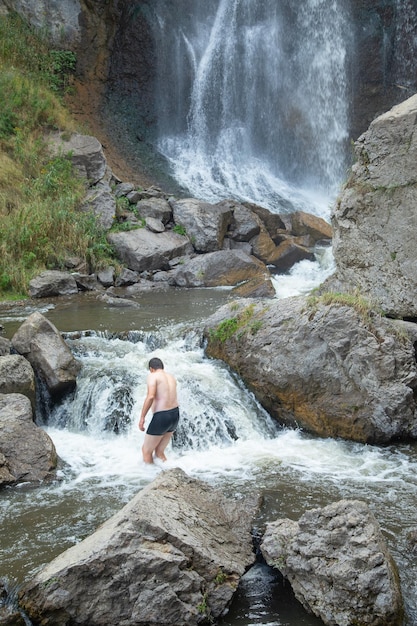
[252, 98]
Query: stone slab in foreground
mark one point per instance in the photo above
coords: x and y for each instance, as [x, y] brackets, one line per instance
[338, 564]
[172, 556]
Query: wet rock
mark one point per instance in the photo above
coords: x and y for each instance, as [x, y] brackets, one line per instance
[27, 453]
[39, 341]
[287, 254]
[173, 555]
[324, 367]
[316, 228]
[52, 283]
[338, 564]
[87, 282]
[126, 277]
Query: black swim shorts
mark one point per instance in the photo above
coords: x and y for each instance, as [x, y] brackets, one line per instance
[164, 422]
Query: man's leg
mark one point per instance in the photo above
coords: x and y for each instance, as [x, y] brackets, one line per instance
[149, 446]
[160, 448]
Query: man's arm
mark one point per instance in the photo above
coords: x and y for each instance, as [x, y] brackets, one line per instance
[150, 397]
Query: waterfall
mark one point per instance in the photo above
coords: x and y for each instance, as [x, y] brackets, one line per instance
[251, 98]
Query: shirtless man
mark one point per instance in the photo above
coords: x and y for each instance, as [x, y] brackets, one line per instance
[162, 397]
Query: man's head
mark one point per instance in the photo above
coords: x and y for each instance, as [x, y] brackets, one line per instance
[156, 364]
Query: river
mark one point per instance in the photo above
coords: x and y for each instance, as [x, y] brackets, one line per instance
[225, 438]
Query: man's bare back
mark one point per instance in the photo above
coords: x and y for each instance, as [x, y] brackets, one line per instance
[161, 397]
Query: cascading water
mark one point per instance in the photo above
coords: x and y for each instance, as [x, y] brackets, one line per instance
[252, 98]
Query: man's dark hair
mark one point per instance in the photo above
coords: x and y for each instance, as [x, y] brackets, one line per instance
[156, 364]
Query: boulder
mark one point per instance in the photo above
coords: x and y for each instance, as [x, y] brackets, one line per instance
[106, 276]
[257, 287]
[41, 343]
[287, 254]
[27, 453]
[4, 346]
[245, 224]
[86, 153]
[215, 269]
[154, 225]
[87, 282]
[52, 283]
[173, 555]
[338, 564]
[101, 202]
[205, 224]
[322, 365]
[17, 376]
[156, 208]
[375, 220]
[316, 228]
[142, 250]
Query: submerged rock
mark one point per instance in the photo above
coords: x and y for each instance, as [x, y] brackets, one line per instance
[172, 556]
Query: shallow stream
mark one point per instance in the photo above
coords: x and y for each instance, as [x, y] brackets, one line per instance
[225, 439]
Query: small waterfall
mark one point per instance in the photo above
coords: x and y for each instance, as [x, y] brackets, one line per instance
[252, 98]
[112, 386]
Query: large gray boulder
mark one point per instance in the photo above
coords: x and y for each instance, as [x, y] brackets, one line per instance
[172, 556]
[101, 202]
[86, 154]
[375, 219]
[222, 268]
[27, 453]
[323, 366]
[205, 224]
[52, 283]
[40, 342]
[17, 376]
[338, 564]
[143, 250]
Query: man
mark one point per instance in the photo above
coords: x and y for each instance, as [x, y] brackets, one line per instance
[162, 397]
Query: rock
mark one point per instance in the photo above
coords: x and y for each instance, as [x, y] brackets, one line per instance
[154, 225]
[205, 224]
[27, 453]
[123, 190]
[106, 276]
[17, 376]
[126, 277]
[142, 250]
[314, 227]
[157, 208]
[86, 153]
[121, 303]
[258, 287]
[245, 225]
[52, 283]
[4, 346]
[272, 221]
[324, 367]
[263, 247]
[287, 254]
[87, 282]
[338, 564]
[215, 269]
[374, 220]
[40, 342]
[173, 555]
[101, 202]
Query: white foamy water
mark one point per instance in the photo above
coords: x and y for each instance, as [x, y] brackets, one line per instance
[252, 99]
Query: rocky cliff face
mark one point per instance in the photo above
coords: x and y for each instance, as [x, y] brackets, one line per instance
[375, 218]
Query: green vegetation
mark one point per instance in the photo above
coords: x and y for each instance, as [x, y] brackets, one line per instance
[363, 307]
[40, 225]
[179, 229]
[244, 321]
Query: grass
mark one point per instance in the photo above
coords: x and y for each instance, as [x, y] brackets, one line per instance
[243, 322]
[40, 195]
